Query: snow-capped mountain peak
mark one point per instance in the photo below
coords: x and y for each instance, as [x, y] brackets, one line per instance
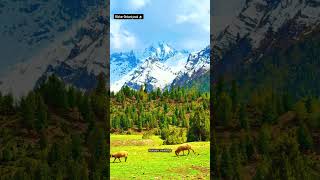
[198, 63]
[160, 50]
[158, 73]
[260, 18]
[152, 72]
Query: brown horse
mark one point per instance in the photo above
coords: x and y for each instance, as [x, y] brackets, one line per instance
[184, 147]
[119, 155]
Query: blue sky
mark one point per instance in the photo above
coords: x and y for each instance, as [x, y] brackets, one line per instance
[183, 24]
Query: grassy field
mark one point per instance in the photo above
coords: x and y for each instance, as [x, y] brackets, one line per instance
[142, 164]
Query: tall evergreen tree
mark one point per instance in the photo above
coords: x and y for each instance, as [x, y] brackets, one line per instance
[264, 140]
[304, 138]
[226, 164]
[101, 85]
[234, 96]
[223, 110]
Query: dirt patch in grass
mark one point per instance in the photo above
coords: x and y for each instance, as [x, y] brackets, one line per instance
[142, 142]
[203, 172]
[202, 169]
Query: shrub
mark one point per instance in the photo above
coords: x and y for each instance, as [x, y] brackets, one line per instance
[147, 134]
[173, 135]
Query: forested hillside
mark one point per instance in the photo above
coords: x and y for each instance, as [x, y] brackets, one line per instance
[267, 116]
[55, 132]
[169, 113]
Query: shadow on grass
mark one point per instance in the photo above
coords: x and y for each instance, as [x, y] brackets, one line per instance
[186, 155]
[117, 162]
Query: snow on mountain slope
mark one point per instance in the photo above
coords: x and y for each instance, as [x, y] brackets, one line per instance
[198, 63]
[177, 62]
[121, 64]
[157, 73]
[151, 72]
[88, 56]
[260, 17]
[22, 77]
[31, 26]
[76, 55]
[160, 50]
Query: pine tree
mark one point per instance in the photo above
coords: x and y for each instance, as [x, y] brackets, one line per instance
[165, 108]
[7, 104]
[224, 110]
[42, 171]
[199, 127]
[54, 154]
[262, 171]
[236, 161]
[249, 146]
[243, 118]
[28, 109]
[72, 97]
[84, 172]
[301, 110]
[63, 100]
[42, 115]
[268, 114]
[98, 151]
[176, 112]
[145, 88]
[76, 147]
[43, 142]
[174, 120]
[234, 96]
[215, 156]
[140, 123]
[158, 92]
[226, 164]
[264, 140]
[287, 102]
[304, 138]
[101, 85]
[219, 87]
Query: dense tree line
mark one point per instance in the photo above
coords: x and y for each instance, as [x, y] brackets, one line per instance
[271, 131]
[268, 115]
[73, 152]
[162, 110]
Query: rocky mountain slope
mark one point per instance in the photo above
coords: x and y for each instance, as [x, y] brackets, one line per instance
[76, 54]
[165, 66]
[260, 24]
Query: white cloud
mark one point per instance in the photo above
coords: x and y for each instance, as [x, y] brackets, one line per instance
[121, 38]
[195, 12]
[138, 4]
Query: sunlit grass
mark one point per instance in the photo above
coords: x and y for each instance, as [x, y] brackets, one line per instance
[142, 164]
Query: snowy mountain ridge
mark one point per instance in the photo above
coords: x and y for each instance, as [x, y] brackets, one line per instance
[261, 18]
[160, 71]
[77, 56]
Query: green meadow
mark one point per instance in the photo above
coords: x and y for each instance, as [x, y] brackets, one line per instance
[142, 164]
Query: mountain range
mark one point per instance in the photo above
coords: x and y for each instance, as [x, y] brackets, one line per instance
[72, 44]
[76, 53]
[158, 66]
[261, 25]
